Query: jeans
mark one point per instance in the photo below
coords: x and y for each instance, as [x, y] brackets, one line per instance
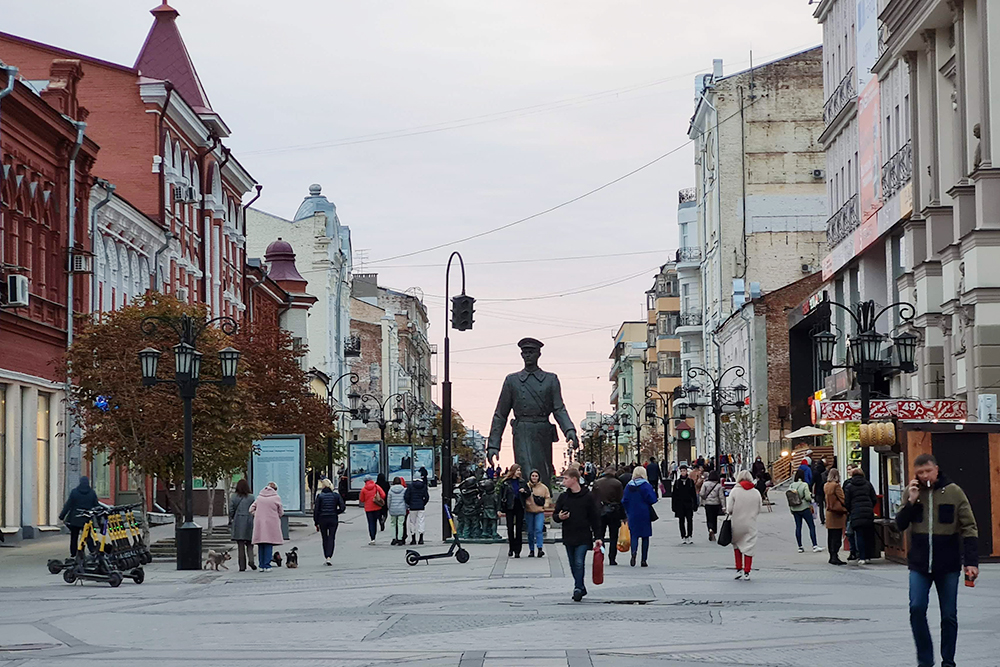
[645, 547]
[807, 516]
[373, 519]
[577, 555]
[264, 554]
[328, 531]
[611, 527]
[515, 523]
[712, 513]
[820, 498]
[834, 538]
[860, 543]
[244, 551]
[947, 591]
[536, 523]
[686, 522]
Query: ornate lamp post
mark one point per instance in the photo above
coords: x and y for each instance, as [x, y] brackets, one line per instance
[611, 429]
[639, 413]
[187, 377]
[382, 420]
[352, 396]
[718, 398]
[668, 402]
[864, 352]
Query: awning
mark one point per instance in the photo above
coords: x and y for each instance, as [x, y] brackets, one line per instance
[806, 432]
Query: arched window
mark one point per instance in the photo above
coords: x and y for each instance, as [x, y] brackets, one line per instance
[101, 266]
[125, 282]
[196, 179]
[110, 285]
[137, 278]
[177, 158]
[185, 168]
[144, 275]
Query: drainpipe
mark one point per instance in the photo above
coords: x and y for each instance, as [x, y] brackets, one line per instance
[157, 277]
[109, 189]
[72, 434]
[246, 290]
[161, 138]
[8, 89]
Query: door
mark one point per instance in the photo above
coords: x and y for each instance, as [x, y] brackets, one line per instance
[965, 459]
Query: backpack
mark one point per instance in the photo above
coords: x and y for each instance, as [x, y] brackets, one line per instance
[792, 496]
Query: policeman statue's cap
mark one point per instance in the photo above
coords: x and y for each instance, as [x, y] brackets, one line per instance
[530, 342]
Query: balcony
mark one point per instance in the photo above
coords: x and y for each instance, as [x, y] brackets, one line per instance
[688, 254]
[352, 346]
[843, 222]
[690, 320]
[843, 95]
[686, 196]
[898, 171]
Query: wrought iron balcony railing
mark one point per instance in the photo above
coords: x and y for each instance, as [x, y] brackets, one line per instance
[352, 346]
[843, 94]
[689, 254]
[690, 320]
[843, 222]
[898, 171]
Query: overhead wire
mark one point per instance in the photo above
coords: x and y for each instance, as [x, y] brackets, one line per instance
[530, 260]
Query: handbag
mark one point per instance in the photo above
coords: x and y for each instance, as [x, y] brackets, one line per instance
[624, 538]
[653, 516]
[538, 500]
[379, 500]
[725, 537]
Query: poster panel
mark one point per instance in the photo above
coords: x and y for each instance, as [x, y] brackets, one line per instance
[400, 462]
[363, 460]
[281, 459]
[423, 458]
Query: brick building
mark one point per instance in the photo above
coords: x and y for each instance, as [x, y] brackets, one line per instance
[41, 132]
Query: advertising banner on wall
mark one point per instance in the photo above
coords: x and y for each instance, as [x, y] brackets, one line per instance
[363, 461]
[423, 458]
[869, 113]
[281, 459]
[400, 461]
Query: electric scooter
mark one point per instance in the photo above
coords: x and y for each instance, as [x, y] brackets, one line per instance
[456, 550]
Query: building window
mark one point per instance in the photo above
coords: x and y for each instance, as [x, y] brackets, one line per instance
[100, 474]
[43, 462]
[686, 347]
[669, 364]
[666, 324]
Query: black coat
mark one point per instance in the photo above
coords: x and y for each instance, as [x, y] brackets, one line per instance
[653, 474]
[584, 523]
[416, 496]
[82, 497]
[328, 507]
[683, 497]
[860, 500]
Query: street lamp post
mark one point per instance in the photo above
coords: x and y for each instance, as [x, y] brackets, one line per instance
[187, 377]
[865, 348]
[638, 412]
[719, 397]
[353, 397]
[610, 426]
[654, 396]
[382, 421]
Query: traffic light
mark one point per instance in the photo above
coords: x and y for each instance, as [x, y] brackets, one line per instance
[685, 442]
[462, 311]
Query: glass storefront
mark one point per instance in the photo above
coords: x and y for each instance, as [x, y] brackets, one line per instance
[43, 460]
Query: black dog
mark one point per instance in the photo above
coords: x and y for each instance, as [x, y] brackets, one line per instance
[292, 558]
[276, 559]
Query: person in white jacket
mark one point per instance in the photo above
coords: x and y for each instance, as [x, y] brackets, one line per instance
[742, 507]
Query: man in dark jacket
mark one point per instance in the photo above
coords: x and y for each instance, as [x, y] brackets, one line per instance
[327, 509]
[608, 492]
[819, 481]
[683, 501]
[860, 501]
[653, 475]
[81, 498]
[943, 534]
[416, 498]
[577, 511]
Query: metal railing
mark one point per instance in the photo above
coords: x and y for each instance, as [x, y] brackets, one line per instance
[843, 222]
[898, 171]
[352, 346]
[690, 320]
[843, 94]
[689, 254]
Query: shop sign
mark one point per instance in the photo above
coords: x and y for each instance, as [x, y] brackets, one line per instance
[850, 411]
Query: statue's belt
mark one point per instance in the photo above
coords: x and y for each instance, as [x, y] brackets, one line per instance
[531, 420]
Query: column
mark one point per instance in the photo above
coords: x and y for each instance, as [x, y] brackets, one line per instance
[29, 461]
[12, 457]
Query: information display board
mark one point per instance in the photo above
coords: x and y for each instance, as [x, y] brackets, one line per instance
[423, 458]
[400, 462]
[281, 459]
[363, 461]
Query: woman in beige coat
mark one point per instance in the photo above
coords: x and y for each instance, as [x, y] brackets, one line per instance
[743, 507]
[836, 515]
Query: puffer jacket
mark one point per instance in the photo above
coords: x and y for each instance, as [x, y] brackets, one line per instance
[713, 493]
[368, 494]
[943, 531]
[80, 499]
[328, 507]
[396, 502]
[417, 496]
[860, 500]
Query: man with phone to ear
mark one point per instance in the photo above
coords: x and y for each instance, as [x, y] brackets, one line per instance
[577, 511]
[943, 535]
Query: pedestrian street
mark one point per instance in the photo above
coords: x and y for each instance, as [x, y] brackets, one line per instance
[370, 608]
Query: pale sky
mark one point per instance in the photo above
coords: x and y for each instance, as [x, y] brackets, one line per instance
[553, 98]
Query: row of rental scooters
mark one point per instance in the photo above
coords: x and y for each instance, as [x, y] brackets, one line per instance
[110, 545]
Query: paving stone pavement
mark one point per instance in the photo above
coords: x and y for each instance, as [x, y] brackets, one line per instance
[371, 609]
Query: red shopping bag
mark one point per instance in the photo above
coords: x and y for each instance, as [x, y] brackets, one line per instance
[598, 569]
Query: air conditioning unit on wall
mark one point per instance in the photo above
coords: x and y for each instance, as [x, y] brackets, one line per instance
[190, 194]
[17, 291]
[181, 293]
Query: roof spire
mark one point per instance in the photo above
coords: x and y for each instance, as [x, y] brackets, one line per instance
[165, 57]
[164, 10]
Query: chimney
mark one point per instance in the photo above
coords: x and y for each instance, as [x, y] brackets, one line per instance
[717, 69]
[60, 94]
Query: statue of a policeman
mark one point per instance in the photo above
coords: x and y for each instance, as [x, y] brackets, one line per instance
[533, 395]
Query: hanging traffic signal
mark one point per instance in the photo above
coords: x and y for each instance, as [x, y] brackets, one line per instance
[462, 311]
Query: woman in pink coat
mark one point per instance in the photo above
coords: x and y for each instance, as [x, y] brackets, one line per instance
[267, 513]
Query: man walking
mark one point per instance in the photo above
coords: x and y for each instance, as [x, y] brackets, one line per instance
[580, 517]
[683, 502]
[653, 475]
[608, 492]
[943, 534]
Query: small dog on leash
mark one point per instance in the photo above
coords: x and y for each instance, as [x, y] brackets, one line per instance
[292, 558]
[217, 559]
[276, 558]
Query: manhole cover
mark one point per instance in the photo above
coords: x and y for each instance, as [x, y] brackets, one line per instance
[824, 619]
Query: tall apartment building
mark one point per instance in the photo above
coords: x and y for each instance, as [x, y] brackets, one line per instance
[755, 221]
[663, 343]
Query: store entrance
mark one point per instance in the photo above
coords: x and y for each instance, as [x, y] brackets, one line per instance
[965, 459]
